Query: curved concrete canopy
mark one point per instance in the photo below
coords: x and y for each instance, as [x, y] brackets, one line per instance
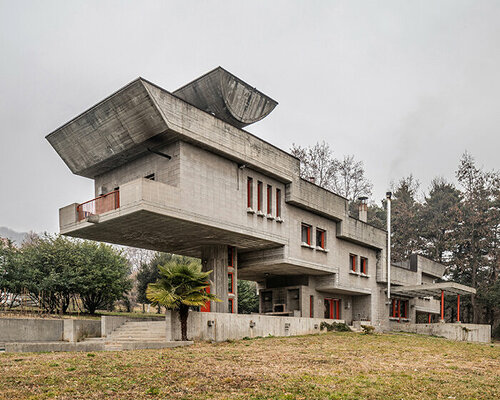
[227, 97]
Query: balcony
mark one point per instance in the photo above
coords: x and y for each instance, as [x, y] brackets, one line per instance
[157, 216]
[99, 205]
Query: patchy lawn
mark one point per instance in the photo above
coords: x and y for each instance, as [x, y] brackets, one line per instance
[328, 366]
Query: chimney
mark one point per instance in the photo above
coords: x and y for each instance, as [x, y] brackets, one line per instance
[312, 179]
[363, 208]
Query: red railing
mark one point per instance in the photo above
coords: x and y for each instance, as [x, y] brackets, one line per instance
[106, 202]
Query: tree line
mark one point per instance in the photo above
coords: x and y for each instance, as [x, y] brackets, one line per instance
[54, 271]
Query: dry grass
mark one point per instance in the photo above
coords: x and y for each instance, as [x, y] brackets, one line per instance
[328, 366]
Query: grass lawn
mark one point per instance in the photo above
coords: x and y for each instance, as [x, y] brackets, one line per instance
[327, 366]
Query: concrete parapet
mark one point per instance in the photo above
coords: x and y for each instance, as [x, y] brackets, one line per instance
[30, 330]
[219, 327]
[459, 332]
[110, 323]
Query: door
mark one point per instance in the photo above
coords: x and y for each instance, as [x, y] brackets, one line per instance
[332, 308]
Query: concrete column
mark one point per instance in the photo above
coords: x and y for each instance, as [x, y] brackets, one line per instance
[215, 258]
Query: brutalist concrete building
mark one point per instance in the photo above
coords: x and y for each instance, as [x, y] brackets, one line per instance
[176, 172]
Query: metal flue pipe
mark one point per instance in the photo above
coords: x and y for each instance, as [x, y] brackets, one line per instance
[388, 197]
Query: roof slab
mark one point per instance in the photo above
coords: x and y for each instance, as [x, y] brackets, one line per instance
[434, 289]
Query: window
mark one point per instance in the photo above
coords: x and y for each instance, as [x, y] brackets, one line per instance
[278, 203]
[269, 199]
[230, 306]
[249, 192]
[363, 265]
[311, 306]
[259, 196]
[151, 177]
[230, 256]
[399, 308]
[321, 238]
[332, 309]
[306, 234]
[353, 260]
[230, 282]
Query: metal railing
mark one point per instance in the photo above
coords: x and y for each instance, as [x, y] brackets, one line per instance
[107, 202]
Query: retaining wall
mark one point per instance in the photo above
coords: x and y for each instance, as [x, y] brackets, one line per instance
[21, 330]
[219, 327]
[456, 331]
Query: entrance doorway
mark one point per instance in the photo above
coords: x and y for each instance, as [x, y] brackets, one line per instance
[332, 308]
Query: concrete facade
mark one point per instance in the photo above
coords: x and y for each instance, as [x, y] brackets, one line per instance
[185, 178]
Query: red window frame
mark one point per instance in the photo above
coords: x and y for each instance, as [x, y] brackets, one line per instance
[333, 308]
[249, 192]
[259, 195]
[353, 260]
[399, 308]
[230, 277]
[278, 203]
[321, 233]
[231, 302]
[269, 199]
[311, 306]
[364, 264]
[308, 227]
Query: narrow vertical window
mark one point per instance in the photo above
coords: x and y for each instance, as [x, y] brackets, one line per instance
[259, 196]
[278, 203]
[230, 282]
[311, 306]
[249, 192]
[306, 234]
[353, 261]
[269, 199]
[230, 306]
[321, 238]
[364, 265]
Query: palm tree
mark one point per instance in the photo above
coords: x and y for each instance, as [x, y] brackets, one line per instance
[181, 285]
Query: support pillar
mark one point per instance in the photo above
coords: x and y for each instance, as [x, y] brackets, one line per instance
[442, 305]
[215, 258]
[458, 308]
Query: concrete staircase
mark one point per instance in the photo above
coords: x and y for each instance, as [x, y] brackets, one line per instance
[133, 335]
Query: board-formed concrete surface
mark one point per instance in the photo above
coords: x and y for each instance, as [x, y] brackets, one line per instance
[461, 332]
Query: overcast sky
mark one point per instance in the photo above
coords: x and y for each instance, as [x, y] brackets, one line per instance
[404, 86]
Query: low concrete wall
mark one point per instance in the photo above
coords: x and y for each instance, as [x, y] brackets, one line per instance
[30, 330]
[460, 332]
[22, 330]
[78, 329]
[223, 326]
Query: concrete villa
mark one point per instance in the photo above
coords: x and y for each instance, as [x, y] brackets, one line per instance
[176, 172]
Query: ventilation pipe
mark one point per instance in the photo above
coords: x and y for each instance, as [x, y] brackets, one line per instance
[363, 209]
[388, 196]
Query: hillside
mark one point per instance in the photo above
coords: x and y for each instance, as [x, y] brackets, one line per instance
[16, 237]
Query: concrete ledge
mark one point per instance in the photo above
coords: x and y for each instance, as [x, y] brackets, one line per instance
[460, 332]
[37, 347]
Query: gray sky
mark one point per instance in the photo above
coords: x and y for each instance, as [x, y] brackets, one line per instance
[405, 86]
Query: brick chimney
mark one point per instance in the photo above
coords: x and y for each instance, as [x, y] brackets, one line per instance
[363, 209]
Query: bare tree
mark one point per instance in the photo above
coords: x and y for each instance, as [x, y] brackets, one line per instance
[345, 177]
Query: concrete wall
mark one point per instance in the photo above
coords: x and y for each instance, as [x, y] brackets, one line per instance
[78, 329]
[30, 330]
[460, 332]
[219, 327]
[47, 330]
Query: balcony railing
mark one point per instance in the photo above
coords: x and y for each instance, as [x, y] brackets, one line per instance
[107, 202]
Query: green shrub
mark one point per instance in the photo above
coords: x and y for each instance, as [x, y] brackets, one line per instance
[335, 327]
